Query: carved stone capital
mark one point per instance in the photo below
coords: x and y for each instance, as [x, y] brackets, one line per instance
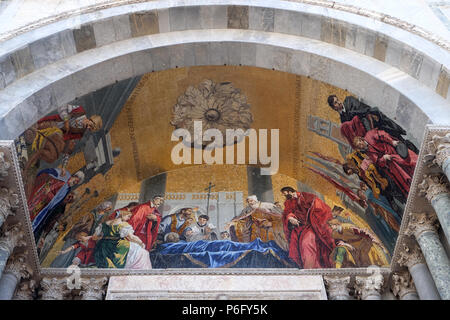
[402, 284]
[420, 223]
[410, 256]
[366, 286]
[93, 288]
[431, 186]
[18, 266]
[337, 287]
[12, 238]
[53, 289]
[25, 291]
[4, 166]
[440, 146]
[9, 202]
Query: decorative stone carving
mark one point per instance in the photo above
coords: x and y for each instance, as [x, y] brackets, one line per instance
[12, 238]
[217, 105]
[431, 186]
[26, 290]
[369, 288]
[4, 166]
[440, 146]
[53, 289]
[420, 223]
[93, 288]
[337, 287]
[410, 256]
[402, 284]
[9, 202]
[18, 266]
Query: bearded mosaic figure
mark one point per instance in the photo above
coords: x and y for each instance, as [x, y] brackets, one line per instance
[217, 105]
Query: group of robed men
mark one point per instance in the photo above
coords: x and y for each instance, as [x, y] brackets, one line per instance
[382, 157]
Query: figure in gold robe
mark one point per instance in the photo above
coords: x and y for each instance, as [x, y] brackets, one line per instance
[354, 246]
[261, 220]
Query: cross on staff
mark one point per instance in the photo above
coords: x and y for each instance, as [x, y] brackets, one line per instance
[210, 186]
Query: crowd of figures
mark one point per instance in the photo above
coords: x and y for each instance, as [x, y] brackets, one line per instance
[44, 150]
[312, 234]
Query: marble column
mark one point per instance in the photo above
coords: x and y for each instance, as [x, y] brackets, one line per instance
[403, 286]
[93, 288]
[440, 146]
[8, 203]
[412, 258]
[11, 238]
[337, 287]
[423, 227]
[16, 269]
[369, 287]
[437, 192]
[25, 290]
[53, 289]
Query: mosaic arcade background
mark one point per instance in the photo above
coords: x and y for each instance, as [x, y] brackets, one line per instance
[77, 179]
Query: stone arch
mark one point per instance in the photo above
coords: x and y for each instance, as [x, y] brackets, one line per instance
[162, 37]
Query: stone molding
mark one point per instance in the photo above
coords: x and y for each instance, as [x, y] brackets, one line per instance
[93, 288]
[410, 256]
[439, 146]
[9, 202]
[25, 290]
[369, 286]
[433, 185]
[422, 222]
[18, 266]
[337, 287]
[12, 238]
[402, 284]
[53, 289]
[4, 166]
[385, 18]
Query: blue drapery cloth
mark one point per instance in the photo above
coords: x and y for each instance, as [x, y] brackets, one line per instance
[60, 195]
[221, 254]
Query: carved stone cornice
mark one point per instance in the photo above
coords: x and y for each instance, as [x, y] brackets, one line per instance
[432, 186]
[402, 284]
[4, 166]
[410, 256]
[440, 147]
[9, 202]
[53, 289]
[368, 286]
[420, 223]
[25, 290]
[337, 287]
[93, 288]
[18, 266]
[12, 238]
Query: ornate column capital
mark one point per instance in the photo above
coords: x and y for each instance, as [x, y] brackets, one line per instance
[25, 290]
[431, 186]
[4, 166]
[12, 238]
[440, 147]
[53, 289]
[337, 287]
[402, 284]
[420, 223]
[93, 288]
[9, 202]
[18, 266]
[411, 256]
[368, 286]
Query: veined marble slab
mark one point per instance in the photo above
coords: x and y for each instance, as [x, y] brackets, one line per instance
[221, 287]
